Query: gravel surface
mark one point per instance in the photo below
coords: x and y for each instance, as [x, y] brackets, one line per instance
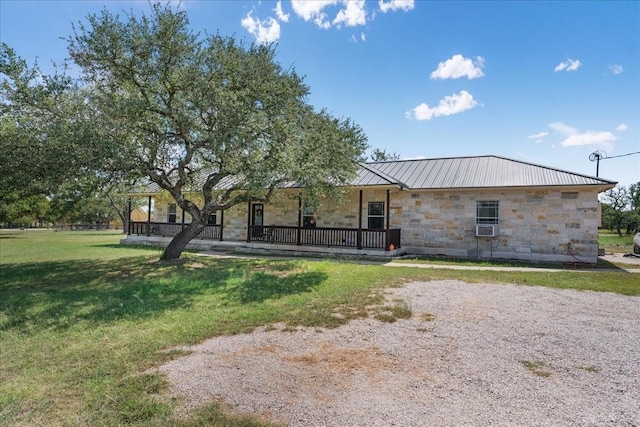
[472, 354]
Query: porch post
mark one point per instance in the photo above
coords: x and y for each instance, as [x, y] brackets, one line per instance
[387, 234]
[129, 217]
[298, 242]
[359, 238]
[182, 221]
[221, 224]
[249, 221]
[149, 219]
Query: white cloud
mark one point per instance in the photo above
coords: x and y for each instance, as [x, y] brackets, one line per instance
[308, 9]
[339, 13]
[393, 5]
[353, 15]
[313, 10]
[459, 66]
[576, 139]
[354, 38]
[321, 21]
[589, 137]
[538, 135]
[563, 129]
[453, 104]
[616, 69]
[284, 17]
[266, 31]
[568, 65]
[621, 127]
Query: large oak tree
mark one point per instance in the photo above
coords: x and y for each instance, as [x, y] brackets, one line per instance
[210, 120]
[47, 135]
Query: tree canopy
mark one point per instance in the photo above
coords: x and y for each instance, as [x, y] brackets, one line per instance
[621, 208]
[212, 121]
[381, 155]
[47, 137]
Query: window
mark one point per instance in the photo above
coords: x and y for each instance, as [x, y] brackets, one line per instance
[375, 213]
[212, 220]
[487, 212]
[569, 195]
[309, 217]
[171, 213]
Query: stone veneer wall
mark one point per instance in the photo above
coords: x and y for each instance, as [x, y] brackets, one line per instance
[534, 224]
[284, 211]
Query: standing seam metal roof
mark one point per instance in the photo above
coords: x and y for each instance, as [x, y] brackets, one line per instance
[456, 173]
[477, 172]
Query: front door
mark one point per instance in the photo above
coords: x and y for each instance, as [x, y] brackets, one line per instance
[257, 221]
[257, 214]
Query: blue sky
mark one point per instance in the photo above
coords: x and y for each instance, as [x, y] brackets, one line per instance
[543, 82]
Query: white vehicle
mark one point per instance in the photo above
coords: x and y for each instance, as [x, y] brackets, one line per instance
[636, 244]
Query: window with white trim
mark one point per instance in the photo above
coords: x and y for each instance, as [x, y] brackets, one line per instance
[375, 216]
[309, 217]
[172, 213]
[213, 219]
[487, 212]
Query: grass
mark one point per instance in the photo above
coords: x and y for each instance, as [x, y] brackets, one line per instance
[608, 240]
[445, 260]
[391, 313]
[611, 242]
[537, 368]
[83, 320]
[592, 369]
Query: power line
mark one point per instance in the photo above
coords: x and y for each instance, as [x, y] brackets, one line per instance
[598, 155]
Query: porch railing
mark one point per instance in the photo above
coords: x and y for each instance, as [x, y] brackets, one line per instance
[325, 236]
[168, 229]
[317, 236]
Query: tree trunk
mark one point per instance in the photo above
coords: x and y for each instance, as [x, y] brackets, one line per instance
[123, 212]
[177, 245]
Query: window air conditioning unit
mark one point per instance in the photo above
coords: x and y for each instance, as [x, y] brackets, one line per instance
[486, 230]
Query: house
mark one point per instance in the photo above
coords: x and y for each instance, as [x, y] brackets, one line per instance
[470, 207]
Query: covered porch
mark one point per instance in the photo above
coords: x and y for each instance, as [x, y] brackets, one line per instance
[329, 237]
[361, 226]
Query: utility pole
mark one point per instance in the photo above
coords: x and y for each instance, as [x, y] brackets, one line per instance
[596, 156]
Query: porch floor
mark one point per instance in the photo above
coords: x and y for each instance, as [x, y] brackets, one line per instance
[262, 247]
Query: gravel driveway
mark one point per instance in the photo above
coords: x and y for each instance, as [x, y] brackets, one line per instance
[472, 354]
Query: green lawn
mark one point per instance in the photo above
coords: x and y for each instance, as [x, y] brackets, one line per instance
[611, 242]
[82, 319]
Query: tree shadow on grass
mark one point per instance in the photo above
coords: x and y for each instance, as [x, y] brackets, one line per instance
[57, 295]
[608, 265]
[263, 286]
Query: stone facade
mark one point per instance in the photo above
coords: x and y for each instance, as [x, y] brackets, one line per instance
[545, 224]
[537, 225]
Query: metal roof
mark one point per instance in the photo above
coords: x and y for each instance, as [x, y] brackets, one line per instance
[452, 173]
[479, 172]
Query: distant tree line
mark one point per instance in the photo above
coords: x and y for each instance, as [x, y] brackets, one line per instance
[68, 207]
[621, 209]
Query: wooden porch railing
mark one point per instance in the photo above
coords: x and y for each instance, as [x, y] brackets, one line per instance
[317, 236]
[168, 229]
[325, 236]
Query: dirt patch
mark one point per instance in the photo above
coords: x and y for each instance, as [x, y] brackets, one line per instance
[470, 354]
